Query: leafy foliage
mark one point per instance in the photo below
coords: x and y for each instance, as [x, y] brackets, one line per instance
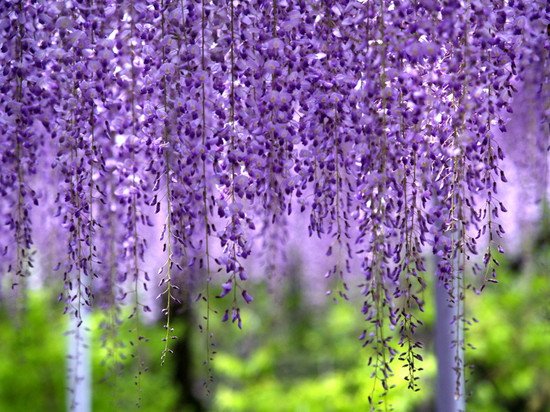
[311, 364]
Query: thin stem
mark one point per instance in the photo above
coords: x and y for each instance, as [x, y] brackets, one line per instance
[168, 177]
[135, 255]
[204, 190]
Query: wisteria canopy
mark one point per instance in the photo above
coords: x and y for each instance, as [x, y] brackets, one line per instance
[373, 120]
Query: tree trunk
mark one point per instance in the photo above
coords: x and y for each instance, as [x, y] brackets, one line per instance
[184, 371]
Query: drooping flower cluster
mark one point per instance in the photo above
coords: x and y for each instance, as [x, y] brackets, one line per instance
[373, 118]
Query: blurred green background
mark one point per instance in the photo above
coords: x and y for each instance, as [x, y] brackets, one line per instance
[291, 356]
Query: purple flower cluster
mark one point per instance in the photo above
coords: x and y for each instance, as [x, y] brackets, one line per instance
[376, 118]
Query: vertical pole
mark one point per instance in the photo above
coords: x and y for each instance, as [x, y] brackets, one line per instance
[79, 382]
[448, 399]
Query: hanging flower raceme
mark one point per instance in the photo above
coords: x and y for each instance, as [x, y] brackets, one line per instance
[23, 126]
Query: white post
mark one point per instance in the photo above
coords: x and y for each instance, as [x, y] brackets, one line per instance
[79, 373]
[446, 390]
